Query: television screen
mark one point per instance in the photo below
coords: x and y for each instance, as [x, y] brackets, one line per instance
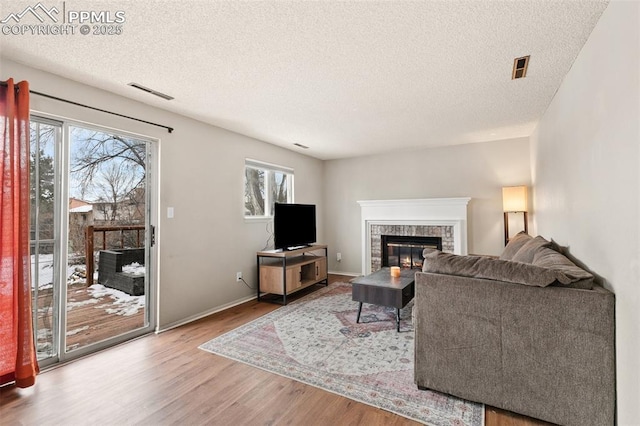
[294, 225]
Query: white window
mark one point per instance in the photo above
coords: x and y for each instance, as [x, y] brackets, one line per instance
[264, 185]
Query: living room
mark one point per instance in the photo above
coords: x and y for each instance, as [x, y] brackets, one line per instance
[580, 161]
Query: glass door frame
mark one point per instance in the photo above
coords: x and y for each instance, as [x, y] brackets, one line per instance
[54, 241]
[62, 164]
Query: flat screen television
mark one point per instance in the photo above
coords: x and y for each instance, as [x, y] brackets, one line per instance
[294, 225]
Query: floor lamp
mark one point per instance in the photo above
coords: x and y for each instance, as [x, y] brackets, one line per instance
[514, 200]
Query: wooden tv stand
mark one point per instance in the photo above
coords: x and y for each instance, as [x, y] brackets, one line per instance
[282, 272]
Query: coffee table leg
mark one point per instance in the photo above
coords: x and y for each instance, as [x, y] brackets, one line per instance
[359, 310]
[398, 319]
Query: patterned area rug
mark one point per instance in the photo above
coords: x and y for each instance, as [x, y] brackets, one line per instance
[316, 340]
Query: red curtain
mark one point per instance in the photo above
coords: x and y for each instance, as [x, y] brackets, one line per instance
[18, 360]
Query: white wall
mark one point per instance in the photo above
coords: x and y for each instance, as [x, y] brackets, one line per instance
[585, 165]
[201, 176]
[478, 171]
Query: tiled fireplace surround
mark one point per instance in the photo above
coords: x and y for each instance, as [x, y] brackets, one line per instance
[432, 217]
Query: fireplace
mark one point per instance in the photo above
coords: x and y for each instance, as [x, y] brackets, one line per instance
[406, 251]
[445, 218]
[441, 237]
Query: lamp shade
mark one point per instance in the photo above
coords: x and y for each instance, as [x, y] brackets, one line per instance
[514, 199]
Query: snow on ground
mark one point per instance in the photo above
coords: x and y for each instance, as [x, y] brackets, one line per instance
[45, 271]
[123, 303]
[71, 303]
[43, 333]
[77, 330]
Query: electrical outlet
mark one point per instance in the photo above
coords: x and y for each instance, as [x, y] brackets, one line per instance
[238, 276]
[339, 257]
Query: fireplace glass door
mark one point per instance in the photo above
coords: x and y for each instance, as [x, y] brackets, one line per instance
[406, 251]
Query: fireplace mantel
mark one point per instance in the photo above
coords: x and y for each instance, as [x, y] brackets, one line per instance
[427, 211]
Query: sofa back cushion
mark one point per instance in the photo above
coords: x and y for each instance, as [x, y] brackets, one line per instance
[492, 269]
[528, 250]
[551, 259]
[515, 243]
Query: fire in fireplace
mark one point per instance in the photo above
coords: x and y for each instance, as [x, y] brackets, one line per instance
[406, 251]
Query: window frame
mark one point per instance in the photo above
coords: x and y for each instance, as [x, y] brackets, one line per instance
[268, 169]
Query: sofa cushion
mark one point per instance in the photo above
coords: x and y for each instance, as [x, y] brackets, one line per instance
[492, 269]
[515, 243]
[549, 258]
[528, 250]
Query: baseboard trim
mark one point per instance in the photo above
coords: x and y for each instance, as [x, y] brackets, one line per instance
[201, 315]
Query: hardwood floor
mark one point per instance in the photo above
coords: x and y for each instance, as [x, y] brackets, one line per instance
[165, 379]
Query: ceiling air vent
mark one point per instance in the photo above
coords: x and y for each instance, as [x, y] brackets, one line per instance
[301, 146]
[153, 92]
[520, 67]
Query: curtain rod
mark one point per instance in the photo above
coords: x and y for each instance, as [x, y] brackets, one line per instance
[169, 129]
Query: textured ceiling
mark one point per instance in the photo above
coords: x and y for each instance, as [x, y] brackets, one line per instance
[343, 78]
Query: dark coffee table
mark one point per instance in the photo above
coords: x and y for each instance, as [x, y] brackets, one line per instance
[380, 288]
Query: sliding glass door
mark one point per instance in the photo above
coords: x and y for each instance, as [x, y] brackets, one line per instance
[92, 251]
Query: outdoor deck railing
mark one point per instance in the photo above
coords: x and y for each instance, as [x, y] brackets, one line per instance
[91, 230]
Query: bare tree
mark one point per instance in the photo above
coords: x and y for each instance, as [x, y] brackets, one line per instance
[279, 182]
[254, 191]
[98, 148]
[109, 171]
[113, 184]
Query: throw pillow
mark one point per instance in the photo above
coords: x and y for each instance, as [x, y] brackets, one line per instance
[490, 269]
[528, 250]
[515, 243]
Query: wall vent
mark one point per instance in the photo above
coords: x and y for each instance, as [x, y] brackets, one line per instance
[520, 67]
[301, 146]
[153, 92]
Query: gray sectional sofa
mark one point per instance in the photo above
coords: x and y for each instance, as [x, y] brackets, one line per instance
[529, 332]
